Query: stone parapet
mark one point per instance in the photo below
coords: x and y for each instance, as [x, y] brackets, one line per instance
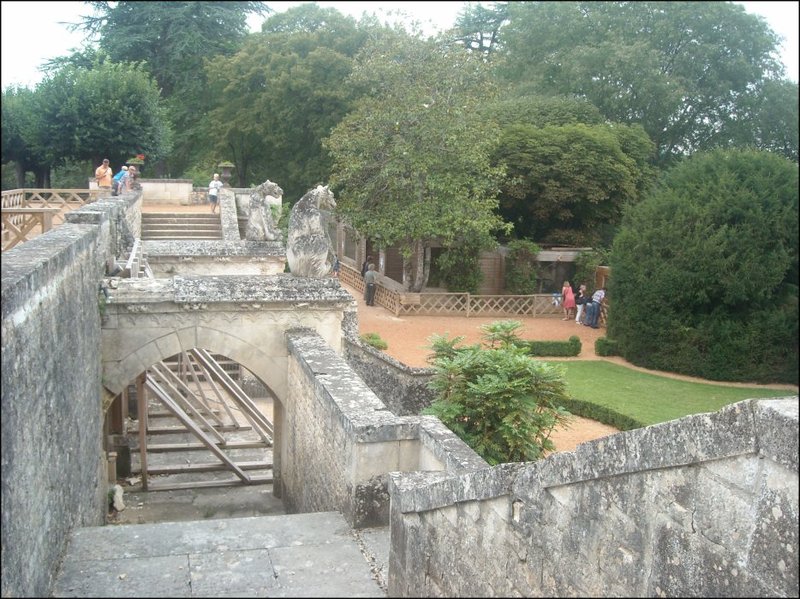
[344, 441]
[706, 505]
[193, 258]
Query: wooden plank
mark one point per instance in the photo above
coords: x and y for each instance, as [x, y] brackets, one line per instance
[205, 467]
[175, 430]
[176, 380]
[192, 362]
[167, 401]
[208, 484]
[141, 402]
[166, 447]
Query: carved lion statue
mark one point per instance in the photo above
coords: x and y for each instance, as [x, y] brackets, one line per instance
[260, 223]
[309, 250]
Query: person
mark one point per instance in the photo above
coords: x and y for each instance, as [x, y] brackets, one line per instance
[567, 300]
[365, 265]
[370, 278]
[213, 191]
[580, 303]
[336, 265]
[115, 183]
[103, 175]
[593, 308]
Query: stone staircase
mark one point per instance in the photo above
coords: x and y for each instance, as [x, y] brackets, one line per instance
[186, 225]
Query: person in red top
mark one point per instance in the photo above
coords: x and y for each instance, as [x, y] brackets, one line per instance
[567, 300]
[103, 175]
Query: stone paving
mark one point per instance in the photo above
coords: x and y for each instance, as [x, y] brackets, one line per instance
[299, 555]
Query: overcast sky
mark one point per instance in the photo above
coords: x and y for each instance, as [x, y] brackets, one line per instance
[32, 33]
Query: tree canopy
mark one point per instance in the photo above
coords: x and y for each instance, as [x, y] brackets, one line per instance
[680, 69]
[411, 163]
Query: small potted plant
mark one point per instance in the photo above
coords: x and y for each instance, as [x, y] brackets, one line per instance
[225, 168]
[138, 161]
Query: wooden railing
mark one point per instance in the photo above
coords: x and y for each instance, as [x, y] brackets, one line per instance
[456, 304]
[20, 206]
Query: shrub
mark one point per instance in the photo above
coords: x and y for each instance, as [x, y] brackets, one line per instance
[606, 347]
[460, 269]
[374, 340]
[587, 409]
[521, 265]
[497, 399]
[705, 270]
[571, 347]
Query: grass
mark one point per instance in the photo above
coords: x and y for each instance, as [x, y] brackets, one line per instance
[649, 398]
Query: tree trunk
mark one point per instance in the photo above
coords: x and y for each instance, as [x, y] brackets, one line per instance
[19, 170]
[418, 271]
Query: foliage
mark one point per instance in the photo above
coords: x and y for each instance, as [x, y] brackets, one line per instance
[459, 267]
[638, 62]
[110, 111]
[282, 93]
[586, 264]
[411, 163]
[566, 182]
[571, 347]
[606, 347]
[521, 264]
[499, 401]
[374, 340]
[585, 408]
[705, 271]
[477, 27]
[20, 122]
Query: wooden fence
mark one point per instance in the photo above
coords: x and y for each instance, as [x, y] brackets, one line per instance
[27, 213]
[456, 304]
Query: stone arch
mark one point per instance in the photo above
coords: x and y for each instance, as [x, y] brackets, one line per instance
[267, 361]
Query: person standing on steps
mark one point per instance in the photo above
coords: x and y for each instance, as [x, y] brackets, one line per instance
[370, 278]
[213, 192]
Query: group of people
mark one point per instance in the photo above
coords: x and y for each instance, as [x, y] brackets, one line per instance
[587, 308]
[119, 183]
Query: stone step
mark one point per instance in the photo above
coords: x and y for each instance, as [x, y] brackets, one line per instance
[297, 555]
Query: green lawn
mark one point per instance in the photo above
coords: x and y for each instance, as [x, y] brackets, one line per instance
[649, 398]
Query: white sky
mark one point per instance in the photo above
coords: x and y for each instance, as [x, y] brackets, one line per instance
[31, 33]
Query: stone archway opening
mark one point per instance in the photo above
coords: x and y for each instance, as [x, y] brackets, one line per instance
[195, 419]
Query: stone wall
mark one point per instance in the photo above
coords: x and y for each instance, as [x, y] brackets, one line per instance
[706, 505]
[167, 191]
[402, 388]
[54, 476]
[337, 440]
[186, 258]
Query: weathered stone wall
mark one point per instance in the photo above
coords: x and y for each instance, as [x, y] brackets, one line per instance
[338, 441]
[702, 506]
[402, 388]
[173, 257]
[53, 471]
[167, 191]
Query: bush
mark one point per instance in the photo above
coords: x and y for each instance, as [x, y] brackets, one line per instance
[521, 264]
[497, 399]
[572, 347]
[606, 347]
[587, 409]
[705, 271]
[460, 269]
[374, 340]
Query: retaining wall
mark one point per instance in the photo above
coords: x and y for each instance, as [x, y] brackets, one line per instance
[706, 505]
[54, 476]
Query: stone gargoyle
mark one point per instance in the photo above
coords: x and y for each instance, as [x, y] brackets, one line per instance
[260, 223]
[309, 250]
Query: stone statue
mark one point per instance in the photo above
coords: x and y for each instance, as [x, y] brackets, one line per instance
[260, 224]
[309, 251]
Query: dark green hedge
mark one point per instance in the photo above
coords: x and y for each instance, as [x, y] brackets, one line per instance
[586, 409]
[553, 349]
[606, 347]
[704, 271]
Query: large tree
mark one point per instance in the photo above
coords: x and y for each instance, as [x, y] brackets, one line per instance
[704, 272]
[412, 161]
[109, 111]
[281, 94]
[20, 120]
[173, 39]
[680, 69]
